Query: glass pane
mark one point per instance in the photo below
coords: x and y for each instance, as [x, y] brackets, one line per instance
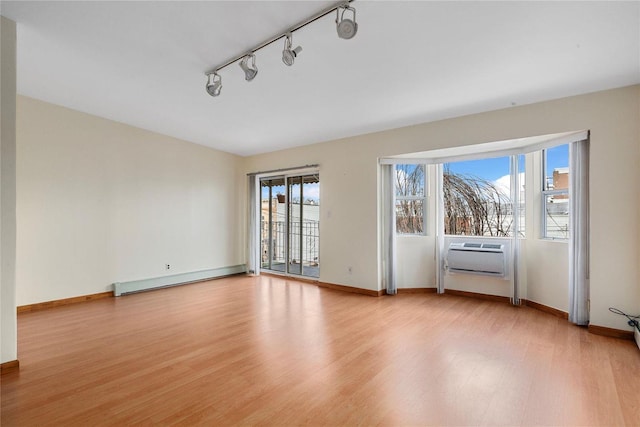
[477, 197]
[410, 180]
[557, 168]
[272, 224]
[495, 169]
[409, 216]
[311, 226]
[557, 216]
[295, 215]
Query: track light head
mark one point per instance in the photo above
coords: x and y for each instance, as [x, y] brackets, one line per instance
[288, 54]
[347, 28]
[250, 71]
[214, 84]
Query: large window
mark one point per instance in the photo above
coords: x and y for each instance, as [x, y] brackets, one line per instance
[477, 197]
[555, 192]
[411, 203]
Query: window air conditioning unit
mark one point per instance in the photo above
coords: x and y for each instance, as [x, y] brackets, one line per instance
[488, 259]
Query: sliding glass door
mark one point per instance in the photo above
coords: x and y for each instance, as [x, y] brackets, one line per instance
[290, 224]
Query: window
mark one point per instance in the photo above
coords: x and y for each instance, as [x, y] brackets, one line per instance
[555, 192]
[477, 197]
[410, 199]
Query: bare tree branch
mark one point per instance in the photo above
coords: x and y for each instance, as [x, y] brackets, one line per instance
[475, 206]
[409, 212]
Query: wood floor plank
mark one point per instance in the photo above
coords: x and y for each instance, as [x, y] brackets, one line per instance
[274, 351]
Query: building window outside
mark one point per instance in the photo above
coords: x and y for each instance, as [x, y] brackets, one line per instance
[410, 187]
[555, 192]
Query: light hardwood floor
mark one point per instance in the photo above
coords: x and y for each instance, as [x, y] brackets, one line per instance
[247, 350]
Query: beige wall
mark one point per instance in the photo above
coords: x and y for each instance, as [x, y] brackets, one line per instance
[101, 202]
[8, 321]
[349, 178]
[348, 188]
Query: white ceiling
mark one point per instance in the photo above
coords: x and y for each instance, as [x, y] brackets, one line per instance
[143, 63]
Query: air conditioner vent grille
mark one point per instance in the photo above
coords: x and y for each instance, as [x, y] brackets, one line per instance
[473, 245]
[491, 246]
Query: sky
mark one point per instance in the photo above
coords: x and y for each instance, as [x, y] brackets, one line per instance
[496, 168]
[557, 157]
[490, 169]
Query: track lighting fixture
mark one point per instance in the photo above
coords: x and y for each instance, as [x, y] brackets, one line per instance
[250, 71]
[289, 55]
[346, 28]
[214, 84]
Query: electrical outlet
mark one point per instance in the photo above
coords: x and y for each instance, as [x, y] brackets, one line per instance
[168, 266]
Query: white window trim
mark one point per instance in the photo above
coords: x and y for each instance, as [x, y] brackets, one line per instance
[544, 194]
[424, 199]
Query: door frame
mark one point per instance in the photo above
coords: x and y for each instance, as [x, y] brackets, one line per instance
[285, 175]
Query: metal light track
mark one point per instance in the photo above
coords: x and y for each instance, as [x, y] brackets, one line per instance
[266, 43]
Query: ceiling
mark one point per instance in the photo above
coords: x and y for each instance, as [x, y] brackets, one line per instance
[143, 63]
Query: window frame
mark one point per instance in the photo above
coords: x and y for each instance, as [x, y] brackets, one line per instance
[546, 193]
[423, 198]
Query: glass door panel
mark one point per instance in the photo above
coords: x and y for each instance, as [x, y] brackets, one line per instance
[295, 217]
[272, 224]
[310, 223]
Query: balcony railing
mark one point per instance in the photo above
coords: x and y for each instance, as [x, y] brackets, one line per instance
[310, 231]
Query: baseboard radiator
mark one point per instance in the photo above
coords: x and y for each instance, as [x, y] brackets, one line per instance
[133, 286]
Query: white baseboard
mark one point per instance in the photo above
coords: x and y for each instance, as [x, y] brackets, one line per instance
[123, 288]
